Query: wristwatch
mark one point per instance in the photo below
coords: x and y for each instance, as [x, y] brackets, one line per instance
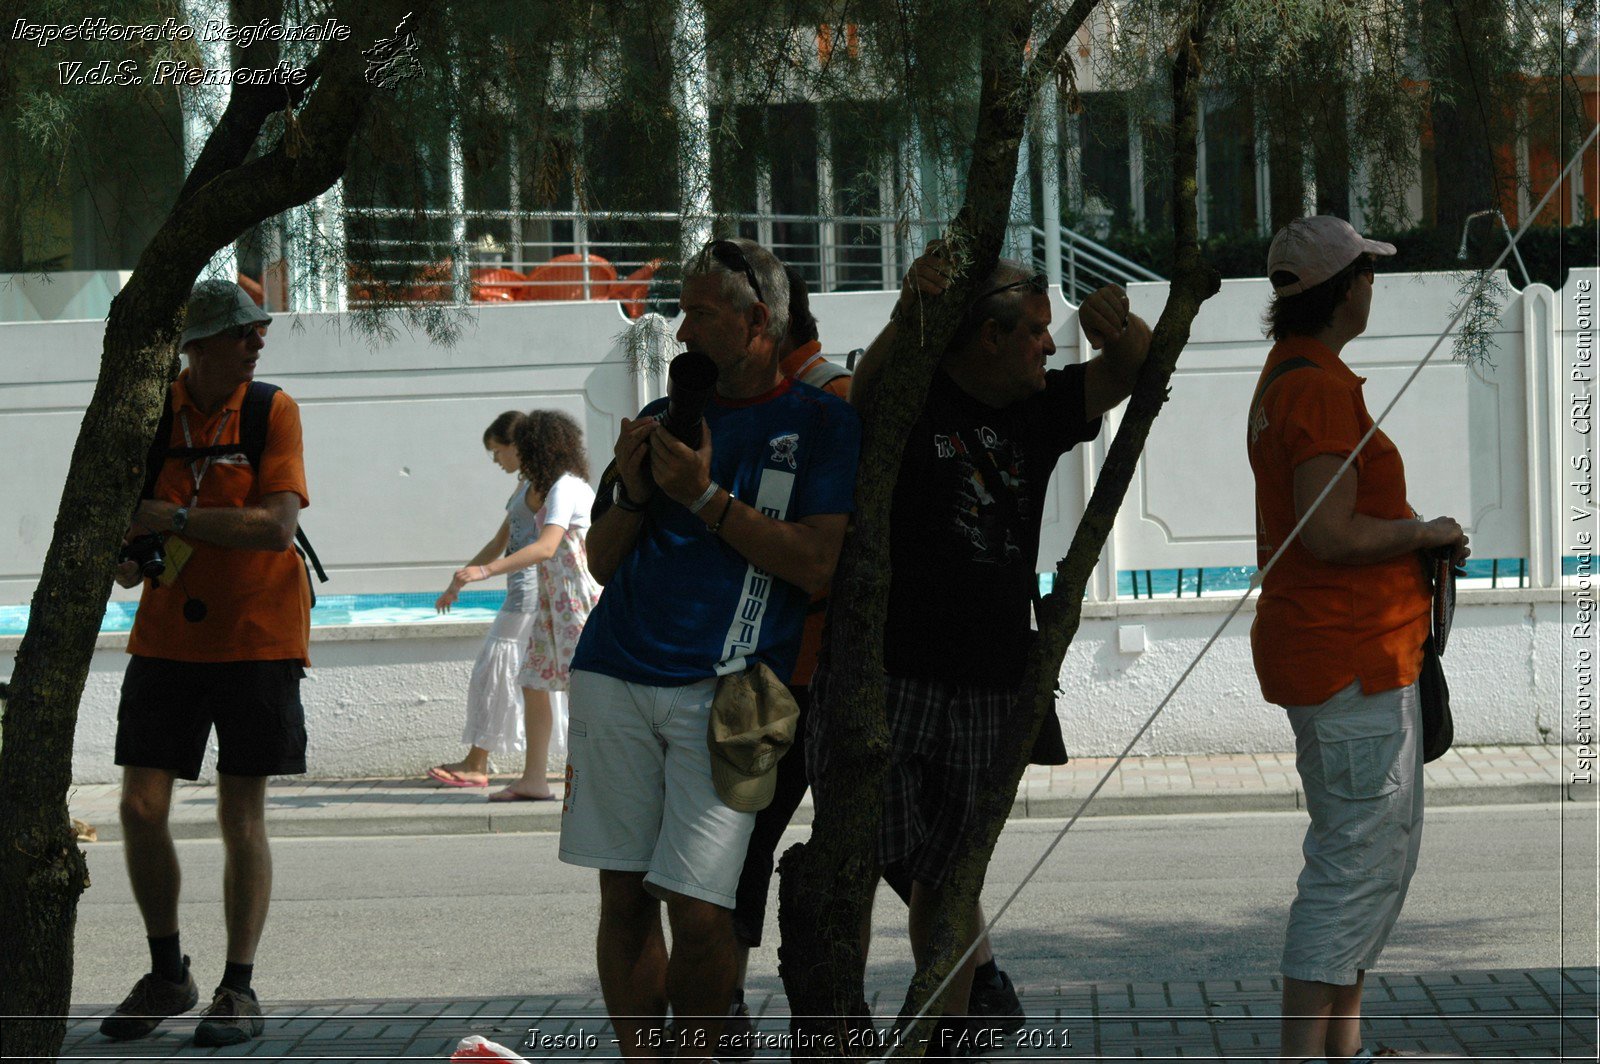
[619, 497]
[180, 518]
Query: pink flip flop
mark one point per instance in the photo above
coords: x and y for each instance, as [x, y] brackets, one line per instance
[449, 778]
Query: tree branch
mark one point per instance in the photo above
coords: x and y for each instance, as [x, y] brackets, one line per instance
[1193, 282]
[1047, 57]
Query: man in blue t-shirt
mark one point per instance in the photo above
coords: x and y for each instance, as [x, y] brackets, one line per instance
[708, 558]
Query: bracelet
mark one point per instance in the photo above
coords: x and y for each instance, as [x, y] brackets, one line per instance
[705, 497]
[483, 572]
[716, 528]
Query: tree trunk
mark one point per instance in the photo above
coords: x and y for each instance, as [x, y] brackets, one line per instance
[1469, 43]
[1330, 154]
[826, 884]
[1192, 283]
[1286, 163]
[42, 871]
[13, 203]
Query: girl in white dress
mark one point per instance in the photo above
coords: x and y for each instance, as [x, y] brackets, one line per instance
[495, 703]
[548, 597]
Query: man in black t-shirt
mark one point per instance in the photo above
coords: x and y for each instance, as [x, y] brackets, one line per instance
[964, 540]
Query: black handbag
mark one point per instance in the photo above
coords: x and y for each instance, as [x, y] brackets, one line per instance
[1434, 693]
[1438, 728]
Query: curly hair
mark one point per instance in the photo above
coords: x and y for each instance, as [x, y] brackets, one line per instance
[549, 443]
[503, 429]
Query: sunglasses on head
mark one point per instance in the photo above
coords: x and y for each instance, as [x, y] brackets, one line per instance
[1038, 284]
[728, 254]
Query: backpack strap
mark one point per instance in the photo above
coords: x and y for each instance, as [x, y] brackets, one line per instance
[1288, 365]
[156, 456]
[819, 372]
[254, 414]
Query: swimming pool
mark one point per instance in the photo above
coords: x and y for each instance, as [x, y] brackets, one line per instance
[416, 607]
[412, 607]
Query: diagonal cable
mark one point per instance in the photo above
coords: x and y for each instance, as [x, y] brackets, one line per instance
[1255, 582]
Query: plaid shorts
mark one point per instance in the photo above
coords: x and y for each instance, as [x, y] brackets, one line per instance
[943, 740]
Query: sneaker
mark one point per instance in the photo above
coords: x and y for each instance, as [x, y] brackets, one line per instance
[230, 1019]
[151, 1000]
[737, 1040]
[996, 1004]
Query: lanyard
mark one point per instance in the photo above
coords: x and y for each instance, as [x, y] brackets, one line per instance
[200, 467]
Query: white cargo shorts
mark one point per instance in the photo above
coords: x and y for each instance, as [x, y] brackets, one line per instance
[1360, 762]
[639, 790]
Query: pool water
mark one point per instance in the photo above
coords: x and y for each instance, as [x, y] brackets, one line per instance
[414, 607]
[1183, 583]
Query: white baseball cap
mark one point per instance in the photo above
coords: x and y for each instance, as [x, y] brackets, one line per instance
[1314, 249]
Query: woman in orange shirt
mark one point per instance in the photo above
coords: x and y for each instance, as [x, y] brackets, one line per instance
[1339, 629]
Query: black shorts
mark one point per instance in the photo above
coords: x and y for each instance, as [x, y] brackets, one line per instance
[168, 707]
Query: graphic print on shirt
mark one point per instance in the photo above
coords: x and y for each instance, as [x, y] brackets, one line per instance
[979, 518]
[774, 492]
[784, 449]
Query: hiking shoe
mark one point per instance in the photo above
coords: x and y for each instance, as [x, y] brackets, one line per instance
[151, 1000]
[996, 1004]
[737, 1040]
[230, 1019]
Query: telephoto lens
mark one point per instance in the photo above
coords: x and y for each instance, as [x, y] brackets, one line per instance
[690, 381]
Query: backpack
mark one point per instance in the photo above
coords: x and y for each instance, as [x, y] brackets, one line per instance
[820, 373]
[254, 413]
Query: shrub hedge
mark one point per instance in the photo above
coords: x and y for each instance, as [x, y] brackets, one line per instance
[1549, 252]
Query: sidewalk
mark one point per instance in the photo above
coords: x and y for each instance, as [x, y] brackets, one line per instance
[1543, 1014]
[1218, 783]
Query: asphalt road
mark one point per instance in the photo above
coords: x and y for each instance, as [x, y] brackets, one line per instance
[1127, 898]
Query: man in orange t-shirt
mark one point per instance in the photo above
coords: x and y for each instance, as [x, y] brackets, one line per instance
[220, 638]
[1339, 629]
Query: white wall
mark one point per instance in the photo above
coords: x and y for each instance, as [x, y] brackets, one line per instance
[389, 701]
[403, 492]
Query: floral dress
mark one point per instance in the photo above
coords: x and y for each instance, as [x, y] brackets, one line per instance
[566, 592]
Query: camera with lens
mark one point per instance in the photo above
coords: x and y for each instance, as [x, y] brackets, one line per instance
[691, 381]
[146, 551]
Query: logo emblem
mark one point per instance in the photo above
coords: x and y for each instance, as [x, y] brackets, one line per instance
[785, 449]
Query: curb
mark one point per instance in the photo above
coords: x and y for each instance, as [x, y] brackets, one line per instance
[283, 824]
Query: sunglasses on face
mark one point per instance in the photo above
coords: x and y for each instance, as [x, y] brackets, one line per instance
[242, 332]
[728, 254]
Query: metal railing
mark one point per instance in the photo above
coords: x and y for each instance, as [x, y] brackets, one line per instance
[515, 255]
[1087, 265]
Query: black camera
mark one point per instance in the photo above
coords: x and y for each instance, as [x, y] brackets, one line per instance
[146, 550]
[690, 381]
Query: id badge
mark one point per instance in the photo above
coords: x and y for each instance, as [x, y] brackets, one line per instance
[178, 554]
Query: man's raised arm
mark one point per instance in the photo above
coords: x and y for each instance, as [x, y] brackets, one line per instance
[928, 277]
[802, 552]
